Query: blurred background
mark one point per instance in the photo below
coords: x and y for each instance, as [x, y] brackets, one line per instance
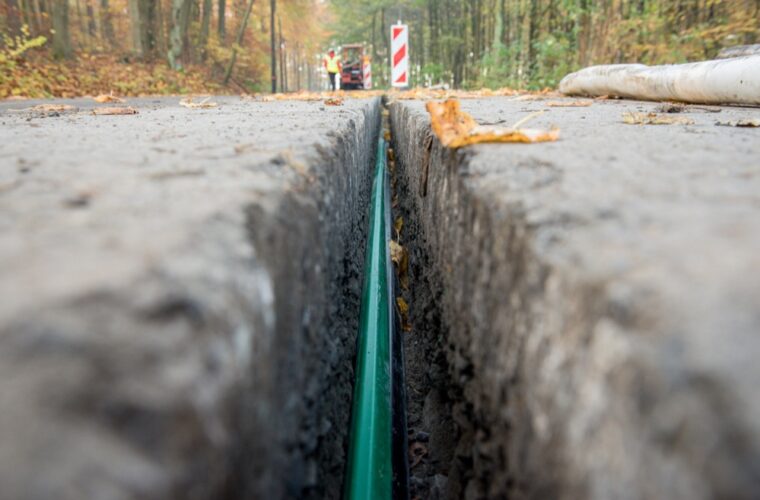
[129, 47]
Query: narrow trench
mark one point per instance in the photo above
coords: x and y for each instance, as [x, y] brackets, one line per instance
[437, 469]
[327, 226]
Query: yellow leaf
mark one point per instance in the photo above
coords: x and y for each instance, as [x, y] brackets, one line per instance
[334, 101]
[655, 119]
[397, 225]
[188, 103]
[403, 309]
[400, 257]
[455, 128]
[397, 252]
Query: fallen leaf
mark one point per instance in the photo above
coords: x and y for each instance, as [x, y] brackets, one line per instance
[655, 119]
[403, 310]
[204, 104]
[456, 129]
[103, 98]
[569, 104]
[749, 123]
[334, 101]
[115, 111]
[397, 225]
[400, 257]
[677, 107]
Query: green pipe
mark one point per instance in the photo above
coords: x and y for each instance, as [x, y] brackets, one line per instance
[369, 472]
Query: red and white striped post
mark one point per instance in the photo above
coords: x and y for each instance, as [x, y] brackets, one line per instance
[400, 55]
[367, 69]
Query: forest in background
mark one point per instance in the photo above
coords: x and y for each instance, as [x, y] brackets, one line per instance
[131, 47]
[534, 43]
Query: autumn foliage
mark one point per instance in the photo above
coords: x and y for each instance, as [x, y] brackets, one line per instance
[70, 48]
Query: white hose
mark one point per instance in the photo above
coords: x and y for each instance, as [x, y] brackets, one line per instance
[724, 81]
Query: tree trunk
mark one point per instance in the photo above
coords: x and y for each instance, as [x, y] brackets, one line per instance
[135, 27]
[238, 41]
[105, 22]
[176, 36]
[37, 16]
[159, 37]
[81, 21]
[97, 18]
[220, 22]
[13, 18]
[185, 16]
[273, 52]
[25, 12]
[283, 82]
[91, 23]
[205, 27]
[61, 38]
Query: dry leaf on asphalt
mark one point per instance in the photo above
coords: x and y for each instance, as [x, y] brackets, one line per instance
[655, 119]
[749, 123]
[103, 98]
[334, 101]
[114, 111]
[569, 104]
[678, 107]
[456, 129]
[204, 104]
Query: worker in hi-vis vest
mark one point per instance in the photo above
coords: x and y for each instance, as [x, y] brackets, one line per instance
[332, 65]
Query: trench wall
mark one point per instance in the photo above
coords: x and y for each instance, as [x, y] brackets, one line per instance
[546, 358]
[187, 328]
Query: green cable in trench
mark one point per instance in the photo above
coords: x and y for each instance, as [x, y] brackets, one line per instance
[369, 473]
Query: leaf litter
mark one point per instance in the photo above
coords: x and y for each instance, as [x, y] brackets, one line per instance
[456, 129]
[204, 104]
[655, 119]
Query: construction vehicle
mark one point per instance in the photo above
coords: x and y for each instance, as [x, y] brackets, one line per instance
[352, 60]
